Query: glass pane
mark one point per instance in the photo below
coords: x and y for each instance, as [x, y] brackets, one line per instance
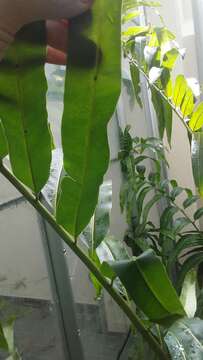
[102, 325]
[25, 291]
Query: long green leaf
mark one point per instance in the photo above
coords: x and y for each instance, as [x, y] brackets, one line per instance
[8, 330]
[166, 219]
[186, 242]
[91, 93]
[141, 197]
[199, 312]
[111, 249]
[185, 339]
[101, 217]
[164, 114]
[135, 76]
[197, 160]
[180, 223]
[147, 283]
[23, 107]
[3, 142]
[190, 201]
[148, 207]
[98, 228]
[191, 263]
[198, 214]
[3, 341]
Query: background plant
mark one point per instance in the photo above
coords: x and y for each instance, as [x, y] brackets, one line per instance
[152, 52]
[177, 238]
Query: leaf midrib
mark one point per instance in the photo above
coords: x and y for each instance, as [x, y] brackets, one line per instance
[92, 107]
[22, 117]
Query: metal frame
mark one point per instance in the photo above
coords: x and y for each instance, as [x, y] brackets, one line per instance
[62, 291]
[197, 6]
[60, 286]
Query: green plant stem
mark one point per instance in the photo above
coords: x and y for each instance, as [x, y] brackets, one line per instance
[70, 241]
[175, 110]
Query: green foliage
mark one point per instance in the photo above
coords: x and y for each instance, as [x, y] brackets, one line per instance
[144, 278]
[3, 144]
[154, 52]
[7, 341]
[183, 98]
[164, 114]
[135, 76]
[132, 4]
[140, 349]
[130, 16]
[88, 107]
[135, 31]
[196, 120]
[91, 93]
[197, 153]
[179, 90]
[100, 245]
[177, 235]
[23, 108]
[159, 54]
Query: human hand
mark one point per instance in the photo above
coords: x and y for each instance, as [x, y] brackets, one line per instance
[16, 13]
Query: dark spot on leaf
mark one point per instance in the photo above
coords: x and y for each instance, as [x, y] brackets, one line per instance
[82, 51]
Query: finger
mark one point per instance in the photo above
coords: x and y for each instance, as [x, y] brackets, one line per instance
[55, 56]
[57, 34]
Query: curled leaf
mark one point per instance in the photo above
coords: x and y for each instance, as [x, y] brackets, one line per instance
[147, 283]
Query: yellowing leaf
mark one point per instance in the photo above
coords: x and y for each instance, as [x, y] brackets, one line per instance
[187, 105]
[153, 40]
[170, 58]
[136, 31]
[130, 16]
[196, 121]
[180, 90]
[166, 35]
